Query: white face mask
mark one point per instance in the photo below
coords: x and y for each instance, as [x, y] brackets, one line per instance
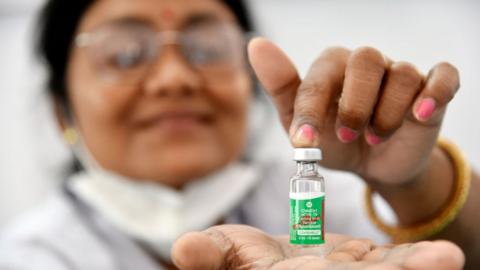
[155, 214]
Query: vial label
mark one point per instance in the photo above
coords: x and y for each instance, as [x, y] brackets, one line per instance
[307, 218]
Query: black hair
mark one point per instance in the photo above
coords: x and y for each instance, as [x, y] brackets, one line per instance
[58, 22]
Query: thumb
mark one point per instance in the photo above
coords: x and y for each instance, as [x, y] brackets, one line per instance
[277, 74]
[201, 250]
[226, 247]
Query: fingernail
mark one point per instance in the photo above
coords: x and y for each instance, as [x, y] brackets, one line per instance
[346, 135]
[304, 136]
[373, 139]
[425, 109]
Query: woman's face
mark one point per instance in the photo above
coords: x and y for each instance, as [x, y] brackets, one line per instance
[180, 116]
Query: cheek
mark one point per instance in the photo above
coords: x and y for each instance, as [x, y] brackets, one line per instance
[234, 101]
[91, 93]
[94, 101]
[91, 98]
[234, 97]
[98, 110]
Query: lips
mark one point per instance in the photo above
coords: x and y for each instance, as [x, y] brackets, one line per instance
[176, 120]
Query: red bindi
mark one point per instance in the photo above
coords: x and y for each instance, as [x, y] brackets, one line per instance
[167, 14]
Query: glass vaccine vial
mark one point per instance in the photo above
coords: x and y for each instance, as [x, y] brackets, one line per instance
[307, 199]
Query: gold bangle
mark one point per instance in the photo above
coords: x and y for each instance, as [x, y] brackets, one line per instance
[448, 213]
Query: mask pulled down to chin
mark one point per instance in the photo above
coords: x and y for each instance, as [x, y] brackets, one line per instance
[155, 214]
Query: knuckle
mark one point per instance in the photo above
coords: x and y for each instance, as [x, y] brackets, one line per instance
[408, 75]
[451, 73]
[332, 59]
[369, 55]
[334, 52]
[313, 88]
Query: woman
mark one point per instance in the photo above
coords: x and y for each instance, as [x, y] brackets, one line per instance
[153, 97]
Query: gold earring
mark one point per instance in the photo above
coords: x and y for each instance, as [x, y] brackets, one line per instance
[70, 136]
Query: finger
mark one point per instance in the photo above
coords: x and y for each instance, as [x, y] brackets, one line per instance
[199, 251]
[316, 95]
[441, 86]
[277, 74]
[221, 247]
[440, 255]
[363, 78]
[401, 85]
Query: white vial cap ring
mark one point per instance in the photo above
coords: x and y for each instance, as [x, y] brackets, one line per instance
[307, 154]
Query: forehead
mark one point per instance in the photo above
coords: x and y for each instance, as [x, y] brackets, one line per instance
[164, 14]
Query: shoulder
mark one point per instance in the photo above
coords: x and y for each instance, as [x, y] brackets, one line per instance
[45, 219]
[53, 234]
[17, 256]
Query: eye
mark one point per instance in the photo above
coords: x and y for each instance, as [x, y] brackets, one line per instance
[204, 54]
[127, 56]
[213, 44]
[207, 50]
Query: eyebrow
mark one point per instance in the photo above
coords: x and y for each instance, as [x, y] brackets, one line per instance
[191, 20]
[200, 18]
[130, 20]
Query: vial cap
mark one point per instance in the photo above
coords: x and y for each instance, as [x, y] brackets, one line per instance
[307, 154]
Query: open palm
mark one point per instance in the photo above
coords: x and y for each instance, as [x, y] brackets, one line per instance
[244, 247]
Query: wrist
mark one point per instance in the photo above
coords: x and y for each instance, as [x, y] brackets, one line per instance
[450, 211]
[425, 195]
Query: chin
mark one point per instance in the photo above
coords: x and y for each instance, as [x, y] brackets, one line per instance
[181, 166]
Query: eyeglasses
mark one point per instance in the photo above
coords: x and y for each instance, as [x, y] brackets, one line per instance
[124, 53]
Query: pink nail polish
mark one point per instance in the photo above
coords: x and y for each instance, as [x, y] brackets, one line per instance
[373, 139]
[346, 135]
[308, 132]
[304, 136]
[425, 109]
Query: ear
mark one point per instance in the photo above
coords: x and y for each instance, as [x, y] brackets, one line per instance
[61, 114]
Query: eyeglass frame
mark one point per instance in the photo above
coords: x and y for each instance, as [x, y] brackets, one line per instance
[167, 37]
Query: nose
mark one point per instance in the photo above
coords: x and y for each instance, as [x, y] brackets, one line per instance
[172, 76]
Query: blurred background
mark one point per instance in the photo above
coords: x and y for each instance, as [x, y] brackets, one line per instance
[32, 153]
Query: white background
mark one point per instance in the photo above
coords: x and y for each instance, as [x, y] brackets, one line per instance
[31, 151]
